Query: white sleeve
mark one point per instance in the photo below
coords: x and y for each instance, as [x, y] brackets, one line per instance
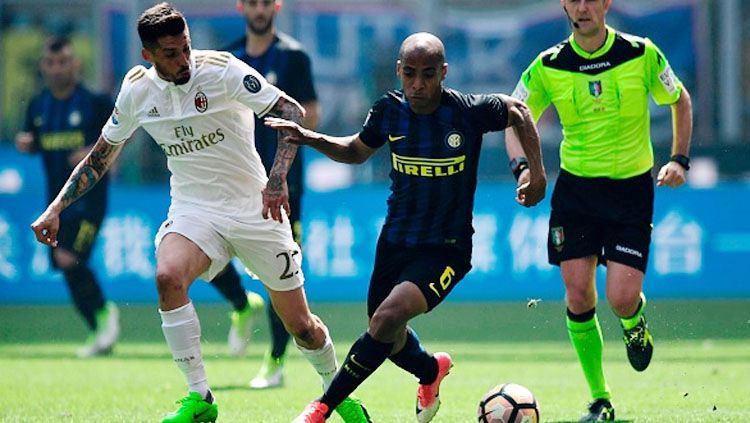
[245, 85]
[121, 125]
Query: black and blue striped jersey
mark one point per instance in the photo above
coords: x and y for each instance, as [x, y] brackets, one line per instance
[434, 160]
[61, 127]
[285, 65]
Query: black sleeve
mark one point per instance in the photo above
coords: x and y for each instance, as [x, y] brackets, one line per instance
[28, 120]
[372, 134]
[490, 112]
[301, 86]
[103, 106]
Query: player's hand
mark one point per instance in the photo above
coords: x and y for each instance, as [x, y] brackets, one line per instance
[46, 226]
[276, 197]
[531, 188]
[292, 132]
[25, 142]
[671, 174]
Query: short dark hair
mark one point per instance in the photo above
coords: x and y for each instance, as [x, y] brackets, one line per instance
[159, 21]
[56, 43]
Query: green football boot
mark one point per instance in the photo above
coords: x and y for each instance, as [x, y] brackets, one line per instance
[102, 340]
[194, 409]
[352, 410]
[271, 373]
[241, 329]
[639, 344]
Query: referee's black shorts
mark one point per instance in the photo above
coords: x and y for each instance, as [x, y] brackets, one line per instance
[434, 269]
[609, 218]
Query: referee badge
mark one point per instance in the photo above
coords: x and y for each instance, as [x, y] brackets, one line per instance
[557, 235]
[595, 88]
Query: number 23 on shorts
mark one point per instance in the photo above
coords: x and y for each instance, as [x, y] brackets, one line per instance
[289, 260]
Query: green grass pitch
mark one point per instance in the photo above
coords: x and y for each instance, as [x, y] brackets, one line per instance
[700, 371]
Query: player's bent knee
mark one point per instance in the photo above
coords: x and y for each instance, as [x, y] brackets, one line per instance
[385, 322]
[64, 259]
[624, 305]
[301, 329]
[167, 282]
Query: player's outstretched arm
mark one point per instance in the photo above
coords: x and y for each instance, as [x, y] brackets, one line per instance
[276, 192]
[673, 174]
[88, 172]
[349, 149]
[523, 141]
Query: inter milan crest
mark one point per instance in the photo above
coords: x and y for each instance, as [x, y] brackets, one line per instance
[454, 140]
[201, 102]
[595, 88]
[251, 83]
[74, 119]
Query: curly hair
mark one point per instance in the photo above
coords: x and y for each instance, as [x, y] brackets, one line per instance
[158, 21]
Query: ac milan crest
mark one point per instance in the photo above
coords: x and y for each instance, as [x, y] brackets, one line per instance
[201, 102]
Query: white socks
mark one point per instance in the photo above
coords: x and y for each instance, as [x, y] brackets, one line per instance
[323, 360]
[182, 331]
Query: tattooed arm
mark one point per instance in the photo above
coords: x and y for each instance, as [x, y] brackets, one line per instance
[88, 172]
[276, 194]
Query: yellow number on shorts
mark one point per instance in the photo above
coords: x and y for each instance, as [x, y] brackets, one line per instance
[445, 281]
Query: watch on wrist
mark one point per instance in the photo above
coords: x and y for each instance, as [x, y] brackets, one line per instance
[681, 160]
[517, 165]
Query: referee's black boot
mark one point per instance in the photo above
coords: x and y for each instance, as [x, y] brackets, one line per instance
[601, 410]
[639, 344]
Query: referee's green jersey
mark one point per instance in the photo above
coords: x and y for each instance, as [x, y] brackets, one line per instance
[602, 101]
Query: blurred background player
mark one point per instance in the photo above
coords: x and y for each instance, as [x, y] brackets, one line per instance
[283, 62]
[435, 136]
[602, 205]
[62, 122]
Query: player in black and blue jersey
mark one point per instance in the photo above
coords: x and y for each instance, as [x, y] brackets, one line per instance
[62, 122]
[435, 136]
[283, 62]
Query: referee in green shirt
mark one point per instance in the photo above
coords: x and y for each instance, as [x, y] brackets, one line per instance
[599, 81]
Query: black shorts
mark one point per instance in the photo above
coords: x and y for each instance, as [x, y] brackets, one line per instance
[77, 234]
[295, 203]
[609, 218]
[434, 269]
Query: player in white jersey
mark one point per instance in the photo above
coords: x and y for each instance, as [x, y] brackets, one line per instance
[198, 106]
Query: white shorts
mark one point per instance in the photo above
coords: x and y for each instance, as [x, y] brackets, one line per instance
[264, 246]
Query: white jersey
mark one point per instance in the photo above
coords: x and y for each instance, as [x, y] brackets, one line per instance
[205, 127]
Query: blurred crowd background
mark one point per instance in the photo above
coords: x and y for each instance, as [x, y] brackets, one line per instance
[353, 47]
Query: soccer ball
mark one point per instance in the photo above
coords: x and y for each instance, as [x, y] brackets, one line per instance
[508, 403]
